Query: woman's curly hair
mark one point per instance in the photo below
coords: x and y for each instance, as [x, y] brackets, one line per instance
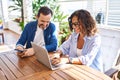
[85, 20]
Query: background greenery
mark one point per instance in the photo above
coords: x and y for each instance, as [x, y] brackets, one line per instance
[58, 15]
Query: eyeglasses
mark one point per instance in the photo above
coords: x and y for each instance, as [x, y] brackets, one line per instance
[75, 24]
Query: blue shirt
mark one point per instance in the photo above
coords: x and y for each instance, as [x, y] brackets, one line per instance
[28, 35]
[91, 54]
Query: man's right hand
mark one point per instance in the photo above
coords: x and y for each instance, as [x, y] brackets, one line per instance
[28, 52]
[19, 51]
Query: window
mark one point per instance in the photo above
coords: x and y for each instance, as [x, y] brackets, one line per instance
[114, 13]
[109, 8]
[70, 6]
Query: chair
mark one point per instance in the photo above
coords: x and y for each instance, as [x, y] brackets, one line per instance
[110, 46]
[118, 59]
[111, 72]
[118, 76]
[1, 33]
[114, 69]
[111, 50]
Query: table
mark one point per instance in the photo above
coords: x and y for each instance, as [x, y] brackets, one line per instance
[13, 67]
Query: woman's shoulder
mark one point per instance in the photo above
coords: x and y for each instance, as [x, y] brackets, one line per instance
[74, 34]
[93, 37]
[97, 35]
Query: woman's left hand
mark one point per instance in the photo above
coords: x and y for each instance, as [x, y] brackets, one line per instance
[56, 59]
[76, 61]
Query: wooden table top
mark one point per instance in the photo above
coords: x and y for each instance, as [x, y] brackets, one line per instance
[13, 67]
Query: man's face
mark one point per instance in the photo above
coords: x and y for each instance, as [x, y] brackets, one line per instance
[44, 20]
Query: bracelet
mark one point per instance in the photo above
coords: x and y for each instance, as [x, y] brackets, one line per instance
[56, 55]
[70, 60]
[59, 51]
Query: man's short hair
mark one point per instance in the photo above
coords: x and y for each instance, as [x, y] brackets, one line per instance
[45, 11]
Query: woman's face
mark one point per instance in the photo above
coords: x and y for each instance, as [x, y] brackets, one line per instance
[76, 25]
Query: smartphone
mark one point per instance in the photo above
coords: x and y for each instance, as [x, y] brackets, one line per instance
[21, 51]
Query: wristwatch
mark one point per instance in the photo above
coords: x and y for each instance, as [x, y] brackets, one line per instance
[70, 60]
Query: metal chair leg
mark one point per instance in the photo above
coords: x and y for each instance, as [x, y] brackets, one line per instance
[2, 37]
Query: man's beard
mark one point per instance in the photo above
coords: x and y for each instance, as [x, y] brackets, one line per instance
[42, 26]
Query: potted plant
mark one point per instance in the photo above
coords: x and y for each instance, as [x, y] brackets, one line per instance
[18, 6]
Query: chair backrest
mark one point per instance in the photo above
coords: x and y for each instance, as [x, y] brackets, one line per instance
[117, 59]
[1, 34]
[1, 28]
[110, 46]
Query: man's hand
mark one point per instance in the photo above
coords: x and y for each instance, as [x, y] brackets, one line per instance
[20, 50]
[28, 52]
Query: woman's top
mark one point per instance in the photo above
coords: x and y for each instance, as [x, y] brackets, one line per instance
[91, 52]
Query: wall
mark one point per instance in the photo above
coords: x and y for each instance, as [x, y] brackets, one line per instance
[14, 26]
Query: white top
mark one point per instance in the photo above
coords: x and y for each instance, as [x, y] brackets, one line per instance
[79, 52]
[39, 38]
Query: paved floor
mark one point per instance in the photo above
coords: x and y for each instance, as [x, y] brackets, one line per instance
[10, 39]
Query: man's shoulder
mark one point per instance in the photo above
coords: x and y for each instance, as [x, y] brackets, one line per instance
[51, 26]
[32, 22]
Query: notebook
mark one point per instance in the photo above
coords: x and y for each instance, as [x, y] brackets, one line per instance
[42, 56]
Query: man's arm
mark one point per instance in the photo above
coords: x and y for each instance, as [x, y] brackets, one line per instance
[50, 38]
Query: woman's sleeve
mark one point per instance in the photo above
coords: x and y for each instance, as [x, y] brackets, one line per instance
[92, 49]
[65, 47]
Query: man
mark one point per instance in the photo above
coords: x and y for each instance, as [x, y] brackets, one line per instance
[42, 32]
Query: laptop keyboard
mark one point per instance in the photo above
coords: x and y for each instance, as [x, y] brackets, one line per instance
[56, 65]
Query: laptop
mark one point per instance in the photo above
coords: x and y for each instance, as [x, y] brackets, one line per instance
[42, 56]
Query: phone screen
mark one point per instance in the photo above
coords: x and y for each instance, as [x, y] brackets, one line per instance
[21, 51]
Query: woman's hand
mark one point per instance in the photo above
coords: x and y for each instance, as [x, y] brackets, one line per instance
[75, 61]
[56, 59]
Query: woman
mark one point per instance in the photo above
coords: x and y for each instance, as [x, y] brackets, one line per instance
[83, 46]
